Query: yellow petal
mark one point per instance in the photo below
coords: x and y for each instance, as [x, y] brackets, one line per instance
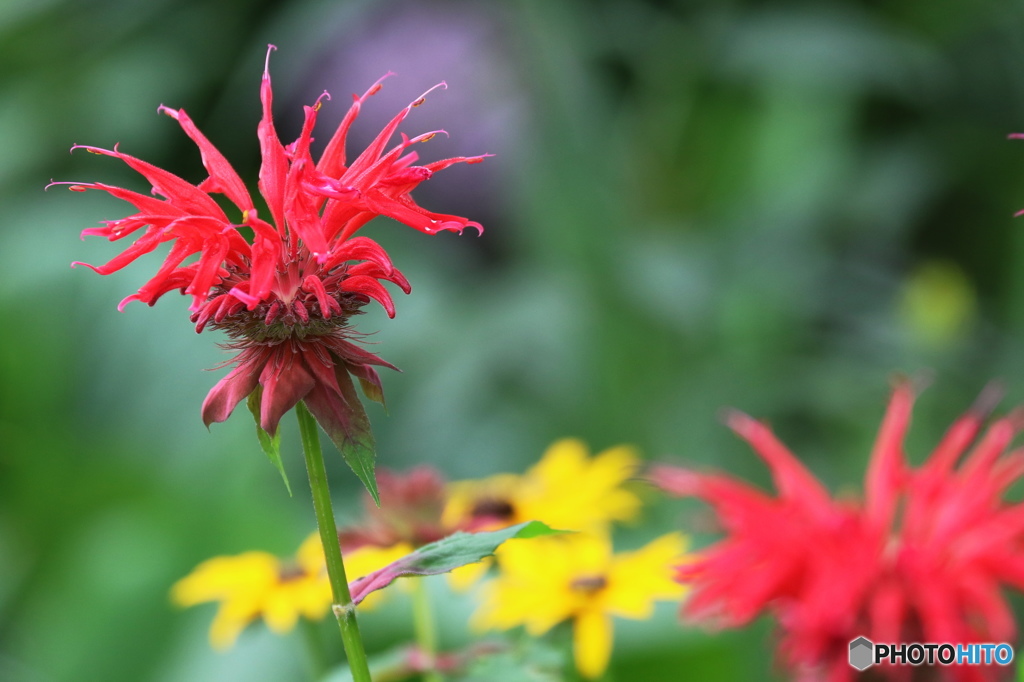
[637, 579]
[535, 584]
[464, 577]
[233, 616]
[592, 643]
[571, 491]
[224, 577]
[280, 609]
[310, 555]
[313, 597]
[561, 462]
[226, 627]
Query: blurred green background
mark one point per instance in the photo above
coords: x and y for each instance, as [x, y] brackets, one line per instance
[695, 204]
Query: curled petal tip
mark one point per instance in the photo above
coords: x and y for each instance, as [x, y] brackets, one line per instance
[425, 137]
[914, 383]
[672, 479]
[266, 61]
[986, 402]
[96, 150]
[423, 98]
[319, 100]
[735, 419]
[126, 300]
[1015, 136]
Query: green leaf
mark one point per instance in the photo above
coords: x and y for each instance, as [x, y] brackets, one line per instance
[447, 554]
[357, 445]
[271, 444]
[534, 659]
[373, 392]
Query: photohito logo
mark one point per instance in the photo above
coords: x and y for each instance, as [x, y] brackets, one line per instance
[864, 653]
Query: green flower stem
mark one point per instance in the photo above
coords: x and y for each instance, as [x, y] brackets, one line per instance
[344, 609]
[425, 628]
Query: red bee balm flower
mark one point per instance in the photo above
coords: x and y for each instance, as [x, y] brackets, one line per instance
[285, 296]
[921, 559]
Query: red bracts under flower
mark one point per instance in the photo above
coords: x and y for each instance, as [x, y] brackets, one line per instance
[285, 294]
[923, 558]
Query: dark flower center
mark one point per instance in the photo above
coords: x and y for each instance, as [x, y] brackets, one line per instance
[290, 572]
[589, 584]
[275, 320]
[493, 508]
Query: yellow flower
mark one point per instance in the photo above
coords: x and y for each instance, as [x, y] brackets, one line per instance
[258, 584]
[544, 581]
[567, 489]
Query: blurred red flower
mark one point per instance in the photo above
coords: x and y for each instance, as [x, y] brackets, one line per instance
[286, 294]
[411, 504]
[923, 558]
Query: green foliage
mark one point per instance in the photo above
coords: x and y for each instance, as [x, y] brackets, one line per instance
[526, 660]
[271, 444]
[447, 554]
[356, 444]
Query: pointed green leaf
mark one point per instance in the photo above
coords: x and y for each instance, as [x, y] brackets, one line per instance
[447, 554]
[357, 445]
[271, 444]
[373, 392]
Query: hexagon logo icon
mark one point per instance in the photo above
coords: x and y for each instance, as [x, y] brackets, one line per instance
[861, 653]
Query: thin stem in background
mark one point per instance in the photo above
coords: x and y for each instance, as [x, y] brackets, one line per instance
[344, 609]
[425, 628]
[317, 652]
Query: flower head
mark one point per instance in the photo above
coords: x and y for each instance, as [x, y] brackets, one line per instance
[567, 489]
[545, 581]
[258, 585]
[286, 294]
[922, 558]
[409, 512]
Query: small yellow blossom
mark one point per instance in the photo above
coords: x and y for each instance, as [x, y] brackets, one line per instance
[566, 489]
[258, 584]
[545, 581]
